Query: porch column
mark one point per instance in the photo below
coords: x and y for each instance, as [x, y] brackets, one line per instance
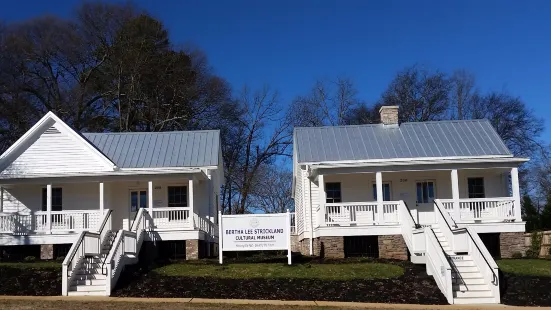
[322, 199]
[101, 201]
[380, 198]
[190, 202]
[150, 201]
[515, 189]
[1, 199]
[49, 207]
[455, 195]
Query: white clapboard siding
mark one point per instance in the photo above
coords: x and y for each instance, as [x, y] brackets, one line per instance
[308, 185]
[55, 152]
[299, 201]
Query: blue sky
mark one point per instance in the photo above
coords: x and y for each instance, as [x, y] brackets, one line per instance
[289, 44]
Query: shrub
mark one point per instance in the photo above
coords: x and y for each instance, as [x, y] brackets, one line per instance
[535, 244]
[530, 253]
[29, 259]
[60, 259]
[517, 255]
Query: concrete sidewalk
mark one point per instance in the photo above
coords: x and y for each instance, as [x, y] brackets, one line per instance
[355, 305]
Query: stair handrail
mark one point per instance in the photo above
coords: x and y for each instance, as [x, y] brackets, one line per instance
[485, 254]
[431, 240]
[80, 246]
[415, 224]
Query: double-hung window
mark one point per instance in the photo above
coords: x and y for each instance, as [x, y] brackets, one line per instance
[476, 187]
[333, 192]
[386, 191]
[177, 198]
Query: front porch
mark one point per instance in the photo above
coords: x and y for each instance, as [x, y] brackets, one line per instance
[56, 211]
[470, 196]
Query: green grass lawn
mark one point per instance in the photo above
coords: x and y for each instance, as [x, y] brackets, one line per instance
[529, 267]
[274, 270]
[35, 265]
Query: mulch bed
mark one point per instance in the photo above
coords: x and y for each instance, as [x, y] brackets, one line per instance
[519, 290]
[414, 287]
[30, 281]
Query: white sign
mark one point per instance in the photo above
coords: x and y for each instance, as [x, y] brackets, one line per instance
[255, 232]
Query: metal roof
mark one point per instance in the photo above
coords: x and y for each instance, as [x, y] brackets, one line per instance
[465, 138]
[159, 149]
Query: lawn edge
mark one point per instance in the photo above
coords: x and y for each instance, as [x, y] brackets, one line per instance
[265, 302]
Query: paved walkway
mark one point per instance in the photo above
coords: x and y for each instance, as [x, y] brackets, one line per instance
[356, 305]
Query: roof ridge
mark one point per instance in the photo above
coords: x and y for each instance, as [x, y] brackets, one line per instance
[404, 123]
[149, 132]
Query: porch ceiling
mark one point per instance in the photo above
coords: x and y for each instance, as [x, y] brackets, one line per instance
[120, 175]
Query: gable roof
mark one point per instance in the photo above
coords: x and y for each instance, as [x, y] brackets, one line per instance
[437, 139]
[44, 125]
[159, 149]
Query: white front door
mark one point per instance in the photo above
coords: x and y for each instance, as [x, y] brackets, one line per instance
[138, 199]
[426, 192]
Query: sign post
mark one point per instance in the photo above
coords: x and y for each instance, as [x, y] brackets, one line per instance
[220, 239]
[254, 232]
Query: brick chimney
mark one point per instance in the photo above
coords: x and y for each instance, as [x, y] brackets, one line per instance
[389, 114]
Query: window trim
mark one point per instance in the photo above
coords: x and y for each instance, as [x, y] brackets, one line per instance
[483, 187]
[434, 189]
[374, 193]
[326, 192]
[186, 193]
[44, 198]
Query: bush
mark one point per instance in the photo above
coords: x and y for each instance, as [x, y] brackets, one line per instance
[530, 253]
[535, 244]
[60, 259]
[29, 259]
[517, 255]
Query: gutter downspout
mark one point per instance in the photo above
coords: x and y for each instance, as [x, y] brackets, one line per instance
[311, 221]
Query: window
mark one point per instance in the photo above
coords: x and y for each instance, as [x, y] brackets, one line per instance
[386, 191]
[57, 199]
[476, 187]
[177, 196]
[332, 192]
[425, 192]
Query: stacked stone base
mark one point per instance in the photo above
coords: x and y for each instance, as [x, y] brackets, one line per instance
[511, 243]
[390, 247]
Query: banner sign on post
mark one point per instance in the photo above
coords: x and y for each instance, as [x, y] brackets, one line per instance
[255, 232]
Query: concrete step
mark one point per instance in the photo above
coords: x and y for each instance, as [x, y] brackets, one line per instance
[87, 288]
[473, 301]
[466, 275]
[463, 263]
[88, 271]
[79, 277]
[89, 282]
[470, 287]
[466, 269]
[473, 294]
[467, 281]
[94, 293]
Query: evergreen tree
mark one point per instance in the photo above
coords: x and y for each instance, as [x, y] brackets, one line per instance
[546, 214]
[530, 214]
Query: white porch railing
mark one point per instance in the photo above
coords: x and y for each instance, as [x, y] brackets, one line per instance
[293, 223]
[60, 221]
[172, 218]
[360, 213]
[475, 209]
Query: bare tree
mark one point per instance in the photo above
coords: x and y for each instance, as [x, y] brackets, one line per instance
[328, 103]
[422, 95]
[464, 96]
[265, 133]
[273, 190]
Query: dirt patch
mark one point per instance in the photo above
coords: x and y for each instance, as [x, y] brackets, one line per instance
[30, 281]
[519, 290]
[414, 287]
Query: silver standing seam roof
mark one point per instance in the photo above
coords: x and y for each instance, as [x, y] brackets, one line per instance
[159, 149]
[465, 138]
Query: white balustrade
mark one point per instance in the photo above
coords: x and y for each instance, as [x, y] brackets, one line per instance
[172, 218]
[361, 213]
[481, 209]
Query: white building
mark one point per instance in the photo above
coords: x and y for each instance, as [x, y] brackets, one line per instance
[426, 191]
[105, 193]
